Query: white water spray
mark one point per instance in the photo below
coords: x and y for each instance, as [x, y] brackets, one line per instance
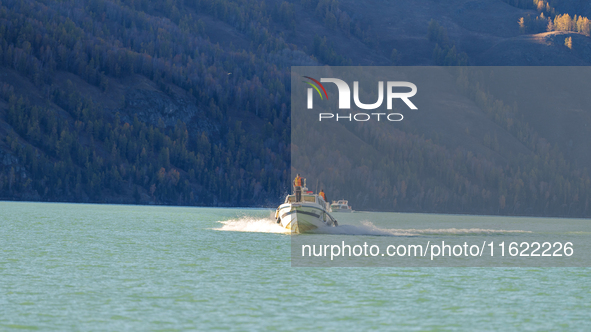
[252, 224]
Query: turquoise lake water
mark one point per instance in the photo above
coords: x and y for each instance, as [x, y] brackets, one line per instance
[139, 268]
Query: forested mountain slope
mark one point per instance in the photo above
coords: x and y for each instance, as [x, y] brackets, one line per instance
[187, 102]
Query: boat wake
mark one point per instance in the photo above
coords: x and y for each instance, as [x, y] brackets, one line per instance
[252, 224]
[466, 231]
[369, 229]
[366, 228]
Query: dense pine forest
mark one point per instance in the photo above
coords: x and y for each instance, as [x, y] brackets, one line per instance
[187, 102]
[75, 147]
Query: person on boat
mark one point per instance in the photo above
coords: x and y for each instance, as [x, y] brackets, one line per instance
[322, 194]
[297, 183]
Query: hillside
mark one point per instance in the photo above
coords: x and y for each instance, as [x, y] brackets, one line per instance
[104, 103]
[188, 102]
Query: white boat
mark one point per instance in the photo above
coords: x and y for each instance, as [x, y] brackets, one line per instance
[340, 206]
[309, 213]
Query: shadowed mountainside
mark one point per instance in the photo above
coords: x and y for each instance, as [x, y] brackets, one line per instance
[187, 102]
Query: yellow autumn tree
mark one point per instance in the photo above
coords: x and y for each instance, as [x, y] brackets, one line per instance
[568, 42]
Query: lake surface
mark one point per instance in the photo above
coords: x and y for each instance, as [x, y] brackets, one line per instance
[115, 267]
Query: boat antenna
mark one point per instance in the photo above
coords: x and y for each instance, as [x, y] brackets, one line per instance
[316, 186]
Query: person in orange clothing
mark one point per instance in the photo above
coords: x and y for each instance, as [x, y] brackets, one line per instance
[322, 194]
[297, 184]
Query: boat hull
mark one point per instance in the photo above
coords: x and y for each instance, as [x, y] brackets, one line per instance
[302, 218]
[341, 210]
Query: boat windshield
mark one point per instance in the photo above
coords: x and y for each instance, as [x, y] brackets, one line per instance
[305, 198]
